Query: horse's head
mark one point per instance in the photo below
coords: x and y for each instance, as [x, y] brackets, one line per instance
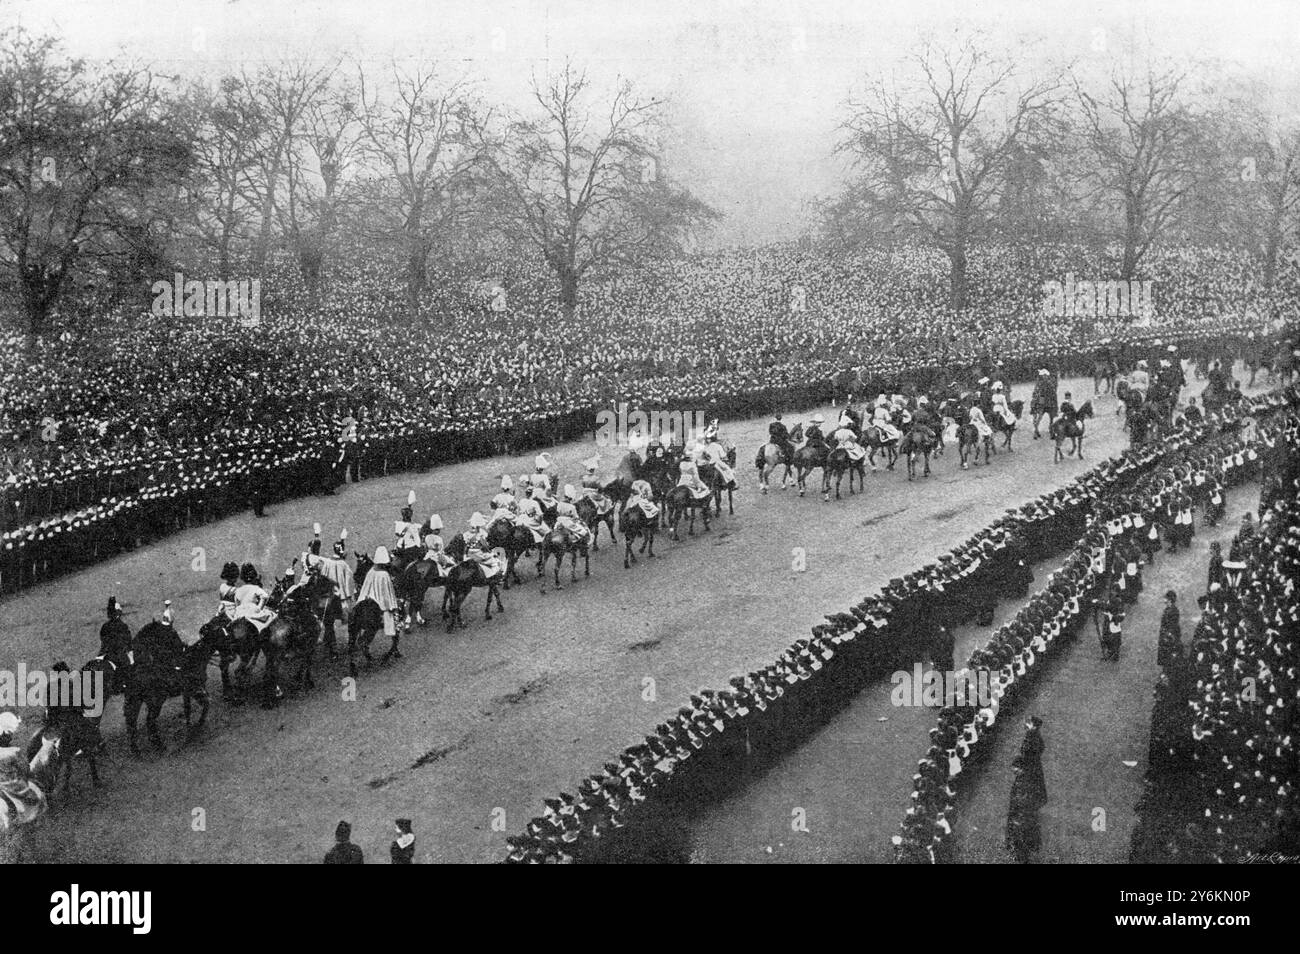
[1085, 410]
[44, 765]
[796, 434]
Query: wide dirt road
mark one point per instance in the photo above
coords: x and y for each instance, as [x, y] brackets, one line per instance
[469, 732]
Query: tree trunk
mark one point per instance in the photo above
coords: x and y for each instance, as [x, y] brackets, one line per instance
[957, 278]
[417, 271]
[568, 288]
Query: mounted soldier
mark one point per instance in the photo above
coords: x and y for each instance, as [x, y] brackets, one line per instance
[115, 644]
[1043, 400]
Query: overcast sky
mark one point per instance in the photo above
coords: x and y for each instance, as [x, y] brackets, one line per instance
[756, 87]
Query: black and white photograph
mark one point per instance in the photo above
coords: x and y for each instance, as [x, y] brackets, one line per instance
[681, 432]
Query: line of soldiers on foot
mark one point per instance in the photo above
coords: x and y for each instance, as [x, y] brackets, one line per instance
[1099, 571]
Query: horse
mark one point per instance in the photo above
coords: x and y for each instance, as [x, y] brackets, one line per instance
[294, 633]
[556, 544]
[1072, 428]
[592, 518]
[633, 523]
[462, 579]
[838, 463]
[968, 440]
[682, 501]
[1104, 369]
[619, 487]
[1001, 426]
[159, 674]
[712, 477]
[367, 620]
[61, 741]
[240, 639]
[771, 456]
[918, 440]
[874, 439]
[808, 458]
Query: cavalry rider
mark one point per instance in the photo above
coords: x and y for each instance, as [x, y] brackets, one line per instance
[999, 404]
[1068, 411]
[925, 415]
[690, 479]
[378, 586]
[503, 507]
[882, 419]
[115, 642]
[710, 434]
[477, 547]
[406, 532]
[779, 435]
[251, 599]
[541, 480]
[846, 439]
[529, 514]
[226, 592]
[813, 432]
[505, 498]
[1043, 400]
[976, 417]
[567, 519]
[591, 487]
[434, 549]
[333, 568]
[642, 496]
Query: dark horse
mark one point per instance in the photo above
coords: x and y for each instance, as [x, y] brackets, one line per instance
[1001, 426]
[1072, 428]
[633, 523]
[682, 501]
[808, 458]
[839, 463]
[515, 541]
[713, 478]
[592, 518]
[162, 670]
[65, 737]
[918, 440]
[555, 545]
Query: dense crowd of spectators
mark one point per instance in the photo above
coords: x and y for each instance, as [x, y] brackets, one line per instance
[148, 423]
[1223, 761]
[1117, 506]
[616, 814]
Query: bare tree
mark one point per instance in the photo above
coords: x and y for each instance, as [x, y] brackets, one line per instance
[1147, 153]
[585, 187]
[416, 138]
[932, 156]
[77, 148]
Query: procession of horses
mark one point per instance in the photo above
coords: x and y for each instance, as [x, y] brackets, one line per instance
[658, 482]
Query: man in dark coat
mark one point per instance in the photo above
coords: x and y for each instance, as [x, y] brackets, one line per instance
[115, 642]
[1169, 647]
[344, 852]
[1024, 831]
[1031, 761]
